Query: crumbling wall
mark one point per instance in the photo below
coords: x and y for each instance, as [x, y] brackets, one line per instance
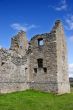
[19, 43]
[53, 75]
[42, 65]
[13, 72]
[45, 77]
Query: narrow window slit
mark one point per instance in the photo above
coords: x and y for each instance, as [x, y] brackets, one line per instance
[40, 63]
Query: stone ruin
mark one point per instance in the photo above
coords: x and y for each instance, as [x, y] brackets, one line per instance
[40, 64]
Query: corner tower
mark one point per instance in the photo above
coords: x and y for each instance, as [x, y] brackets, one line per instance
[62, 58]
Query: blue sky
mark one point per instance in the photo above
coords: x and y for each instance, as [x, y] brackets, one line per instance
[34, 17]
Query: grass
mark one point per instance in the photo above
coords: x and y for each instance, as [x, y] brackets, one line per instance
[35, 100]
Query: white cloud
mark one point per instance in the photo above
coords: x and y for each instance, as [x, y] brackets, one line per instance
[62, 6]
[69, 22]
[71, 70]
[19, 27]
[31, 26]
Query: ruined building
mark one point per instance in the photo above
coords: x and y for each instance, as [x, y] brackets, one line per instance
[40, 64]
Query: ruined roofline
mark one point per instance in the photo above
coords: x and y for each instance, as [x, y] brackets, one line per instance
[56, 25]
[3, 49]
[21, 32]
[44, 35]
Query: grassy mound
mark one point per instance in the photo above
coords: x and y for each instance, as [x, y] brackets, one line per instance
[35, 100]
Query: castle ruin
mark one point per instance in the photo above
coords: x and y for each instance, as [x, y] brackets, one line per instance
[40, 64]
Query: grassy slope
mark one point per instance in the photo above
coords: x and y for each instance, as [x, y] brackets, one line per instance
[34, 100]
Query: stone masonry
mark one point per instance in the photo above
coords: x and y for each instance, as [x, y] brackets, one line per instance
[39, 64]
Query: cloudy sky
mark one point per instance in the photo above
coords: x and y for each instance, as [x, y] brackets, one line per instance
[34, 17]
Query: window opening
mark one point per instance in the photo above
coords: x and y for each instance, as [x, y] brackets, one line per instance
[40, 63]
[35, 70]
[45, 70]
[40, 42]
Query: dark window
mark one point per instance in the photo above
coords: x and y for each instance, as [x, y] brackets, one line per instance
[40, 42]
[40, 63]
[35, 70]
[45, 70]
[25, 69]
[2, 63]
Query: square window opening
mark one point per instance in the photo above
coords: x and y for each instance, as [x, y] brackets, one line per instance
[40, 42]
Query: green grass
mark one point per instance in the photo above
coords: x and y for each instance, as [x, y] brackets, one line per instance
[35, 100]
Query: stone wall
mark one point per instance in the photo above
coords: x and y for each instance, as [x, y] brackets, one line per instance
[54, 55]
[19, 43]
[46, 76]
[14, 67]
[13, 73]
[41, 65]
[62, 60]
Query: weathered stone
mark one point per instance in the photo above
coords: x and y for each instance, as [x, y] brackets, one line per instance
[41, 65]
